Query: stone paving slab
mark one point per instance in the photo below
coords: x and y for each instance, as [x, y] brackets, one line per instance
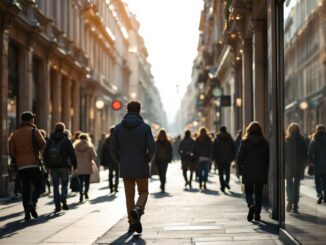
[191, 216]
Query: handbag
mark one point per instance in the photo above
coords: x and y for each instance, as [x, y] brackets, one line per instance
[75, 183]
[95, 176]
[43, 171]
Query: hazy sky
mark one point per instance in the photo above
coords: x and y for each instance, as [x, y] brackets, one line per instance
[170, 31]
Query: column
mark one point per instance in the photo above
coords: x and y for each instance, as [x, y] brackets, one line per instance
[76, 106]
[259, 71]
[56, 97]
[66, 101]
[238, 94]
[247, 82]
[4, 48]
[45, 95]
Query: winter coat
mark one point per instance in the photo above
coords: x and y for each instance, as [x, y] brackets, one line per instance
[187, 149]
[132, 146]
[296, 154]
[163, 152]
[67, 151]
[317, 152]
[85, 155]
[203, 147]
[21, 145]
[106, 156]
[223, 149]
[253, 160]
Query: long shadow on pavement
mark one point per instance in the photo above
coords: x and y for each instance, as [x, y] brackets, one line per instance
[193, 190]
[161, 194]
[211, 192]
[11, 229]
[104, 198]
[265, 226]
[12, 215]
[234, 194]
[129, 239]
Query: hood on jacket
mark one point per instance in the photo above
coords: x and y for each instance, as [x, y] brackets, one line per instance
[223, 136]
[132, 120]
[255, 139]
[57, 136]
[321, 137]
[82, 145]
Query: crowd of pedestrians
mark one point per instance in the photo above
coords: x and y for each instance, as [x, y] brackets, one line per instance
[132, 153]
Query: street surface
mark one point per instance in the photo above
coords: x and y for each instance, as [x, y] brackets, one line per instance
[179, 216]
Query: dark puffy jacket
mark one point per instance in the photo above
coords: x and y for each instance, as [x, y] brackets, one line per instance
[317, 152]
[203, 147]
[253, 160]
[132, 146]
[187, 149]
[296, 154]
[106, 156]
[67, 151]
[223, 149]
[163, 152]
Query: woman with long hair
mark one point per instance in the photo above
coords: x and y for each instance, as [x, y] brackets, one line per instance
[85, 155]
[203, 149]
[253, 163]
[295, 163]
[163, 156]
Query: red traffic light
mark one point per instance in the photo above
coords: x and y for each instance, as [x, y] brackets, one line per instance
[116, 105]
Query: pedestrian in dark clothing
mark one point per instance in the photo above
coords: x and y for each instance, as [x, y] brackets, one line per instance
[26, 154]
[237, 143]
[253, 164]
[163, 156]
[188, 157]
[317, 157]
[296, 154]
[100, 147]
[59, 157]
[108, 162]
[223, 155]
[45, 181]
[203, 150]
[133, 147]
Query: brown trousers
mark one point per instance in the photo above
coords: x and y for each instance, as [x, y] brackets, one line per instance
[142, 187]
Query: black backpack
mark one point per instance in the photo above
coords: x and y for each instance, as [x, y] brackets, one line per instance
[54, 156]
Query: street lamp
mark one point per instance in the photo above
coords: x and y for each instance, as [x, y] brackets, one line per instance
[303, 105]
[99, 104]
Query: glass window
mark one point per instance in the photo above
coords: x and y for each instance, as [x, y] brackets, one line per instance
[304, 120]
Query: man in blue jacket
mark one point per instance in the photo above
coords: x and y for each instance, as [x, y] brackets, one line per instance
[132, 146]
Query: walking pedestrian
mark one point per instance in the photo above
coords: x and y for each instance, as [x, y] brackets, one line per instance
[60, 158]
[237, 142]
[108, 162]
[223, 155]
[188, 157]
[133, 147]
[203, 149]
[317, 157]
[45, 181]
[163, 156]
[25, 146]
[86, 156]
[253, 163]
[296, 154]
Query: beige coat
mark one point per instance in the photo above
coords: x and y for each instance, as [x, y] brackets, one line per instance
[85, 155]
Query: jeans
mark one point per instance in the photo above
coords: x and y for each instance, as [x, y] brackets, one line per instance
[293, 190]
[60, 174]
[254, 196]
[162, 168]
[30, 177]
[224, 169]
[116, 173]
[84, 181]
[320, 182]
[203, 167]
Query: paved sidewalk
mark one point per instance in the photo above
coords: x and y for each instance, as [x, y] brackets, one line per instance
[190, 216]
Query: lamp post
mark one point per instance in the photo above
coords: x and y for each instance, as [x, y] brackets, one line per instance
[99, 104]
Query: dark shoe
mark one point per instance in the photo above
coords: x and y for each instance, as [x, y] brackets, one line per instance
[289, 207]
[251, 212]
[320, 199]
[295, 208]
[86, 196]
[257, 217]
[33, 212]
[57, 209]
[186, 183]
[116, 189]
[205, 188]
[227, 186]
[81, 198]
[27, 216]
[222, 189]
[189, 183]
[64, 205]
[200, 185]
[111, 190]
[135, 214]
[131, 229]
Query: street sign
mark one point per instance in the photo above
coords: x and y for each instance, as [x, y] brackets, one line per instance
[226, 100]
[116, 105]
[217, 92]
